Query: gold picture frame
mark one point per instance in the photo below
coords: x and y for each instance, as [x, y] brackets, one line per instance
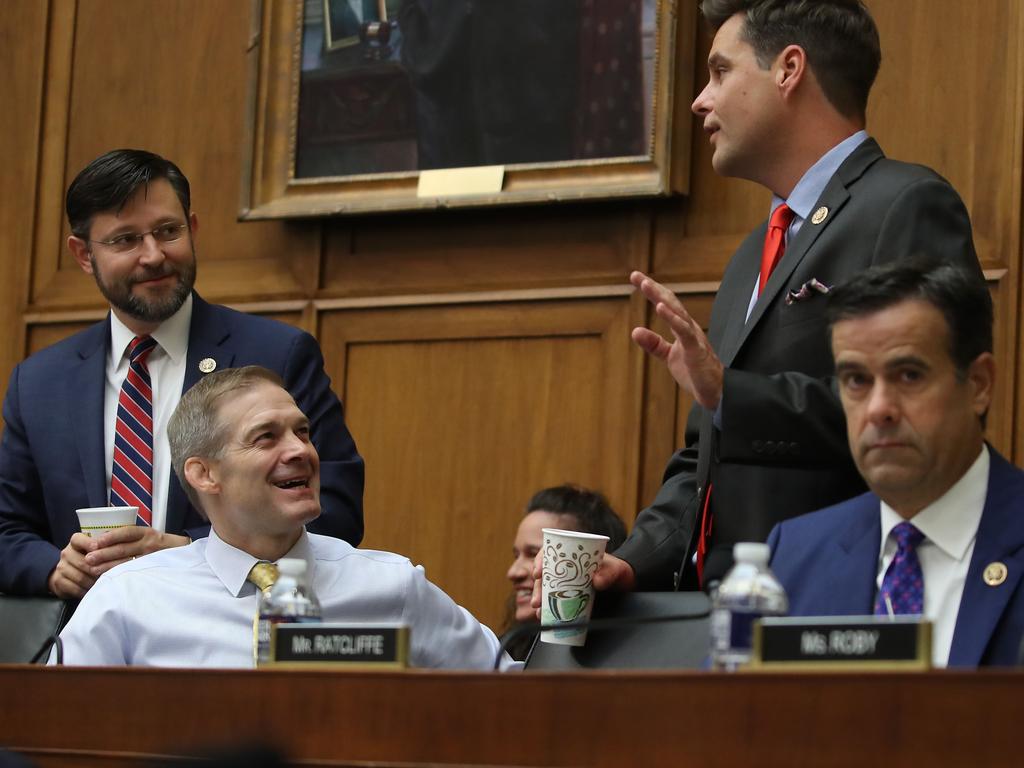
[305, 160]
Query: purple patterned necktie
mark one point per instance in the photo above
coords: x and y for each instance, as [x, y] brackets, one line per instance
[903, 582]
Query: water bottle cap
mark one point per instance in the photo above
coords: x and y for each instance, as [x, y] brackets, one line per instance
[291, 566]
[751, 552]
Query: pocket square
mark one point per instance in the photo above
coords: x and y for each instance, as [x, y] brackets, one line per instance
[807, 291]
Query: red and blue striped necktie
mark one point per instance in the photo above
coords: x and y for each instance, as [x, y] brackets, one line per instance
[131, 479]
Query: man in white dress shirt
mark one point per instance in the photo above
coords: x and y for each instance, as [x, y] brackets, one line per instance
[241, 448]
[942, 531]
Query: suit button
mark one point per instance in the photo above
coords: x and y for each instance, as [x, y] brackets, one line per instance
[758, 446]
[769, 447]
[794, 449]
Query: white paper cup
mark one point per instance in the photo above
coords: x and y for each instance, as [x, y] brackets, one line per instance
[95, 521]
[570, 559]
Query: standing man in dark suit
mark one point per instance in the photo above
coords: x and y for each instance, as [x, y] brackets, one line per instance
[941, 533]
[66, 444]
[785, 108]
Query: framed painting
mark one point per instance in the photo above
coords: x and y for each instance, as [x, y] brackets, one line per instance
[343, 21]
[361, 106]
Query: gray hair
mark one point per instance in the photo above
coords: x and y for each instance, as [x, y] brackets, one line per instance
[194, 428]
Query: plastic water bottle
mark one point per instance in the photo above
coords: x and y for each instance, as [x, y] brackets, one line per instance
[290, 600]
[749, 591]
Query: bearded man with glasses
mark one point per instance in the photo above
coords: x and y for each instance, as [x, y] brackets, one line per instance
[85, 419]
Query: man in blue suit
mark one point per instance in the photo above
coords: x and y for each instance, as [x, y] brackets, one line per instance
[133, 230]
[945, 513]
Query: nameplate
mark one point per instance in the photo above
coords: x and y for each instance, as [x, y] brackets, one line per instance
[319, 644]
[459, 182]
[835, 642]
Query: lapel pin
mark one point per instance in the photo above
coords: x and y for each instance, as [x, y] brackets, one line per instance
[819, 215]
[995, 574]
[207, 365]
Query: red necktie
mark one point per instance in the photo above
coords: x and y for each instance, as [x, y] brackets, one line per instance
[774, 243]
[131, 479]
[704, 534]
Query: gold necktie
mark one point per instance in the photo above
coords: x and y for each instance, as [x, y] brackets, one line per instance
[263, 575]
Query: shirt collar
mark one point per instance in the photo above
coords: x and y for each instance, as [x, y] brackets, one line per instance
[807, 191]
[232, 565]
[171, 335]
[951, 521]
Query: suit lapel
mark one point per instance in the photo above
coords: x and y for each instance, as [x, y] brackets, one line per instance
[1000, 539]
[834, 197]
[85, 395]
[748, 265]
[855, 569]
[209, 337]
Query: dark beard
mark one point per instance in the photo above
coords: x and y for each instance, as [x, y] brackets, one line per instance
[121, 297]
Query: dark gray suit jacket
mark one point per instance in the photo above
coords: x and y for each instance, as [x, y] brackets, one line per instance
[782, 450]
[52, 455]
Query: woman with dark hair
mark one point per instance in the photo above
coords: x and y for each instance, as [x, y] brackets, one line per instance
[569, 508]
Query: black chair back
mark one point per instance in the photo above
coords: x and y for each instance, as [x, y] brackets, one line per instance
[675, 643]
[27, 623]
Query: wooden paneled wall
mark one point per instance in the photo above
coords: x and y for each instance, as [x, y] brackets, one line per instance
[481, 354]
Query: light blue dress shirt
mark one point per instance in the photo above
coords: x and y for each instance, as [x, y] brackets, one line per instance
[193, 607]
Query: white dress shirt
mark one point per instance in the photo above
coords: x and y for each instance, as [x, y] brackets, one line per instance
[167, 375]
[950, 528]
[193, 607]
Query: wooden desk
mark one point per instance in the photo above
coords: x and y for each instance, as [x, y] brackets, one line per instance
[78, 717]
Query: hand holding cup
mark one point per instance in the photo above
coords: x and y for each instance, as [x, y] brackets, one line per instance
[570, 559]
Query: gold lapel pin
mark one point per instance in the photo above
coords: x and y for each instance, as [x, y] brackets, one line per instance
[819, 215]
[207, 365]
[995, 574]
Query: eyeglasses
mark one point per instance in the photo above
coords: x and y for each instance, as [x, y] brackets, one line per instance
[130, 241]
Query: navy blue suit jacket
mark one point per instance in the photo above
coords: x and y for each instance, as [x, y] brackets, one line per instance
[52, 458]
[828, 562]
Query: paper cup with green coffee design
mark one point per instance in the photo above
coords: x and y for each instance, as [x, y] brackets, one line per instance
[570, 559]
